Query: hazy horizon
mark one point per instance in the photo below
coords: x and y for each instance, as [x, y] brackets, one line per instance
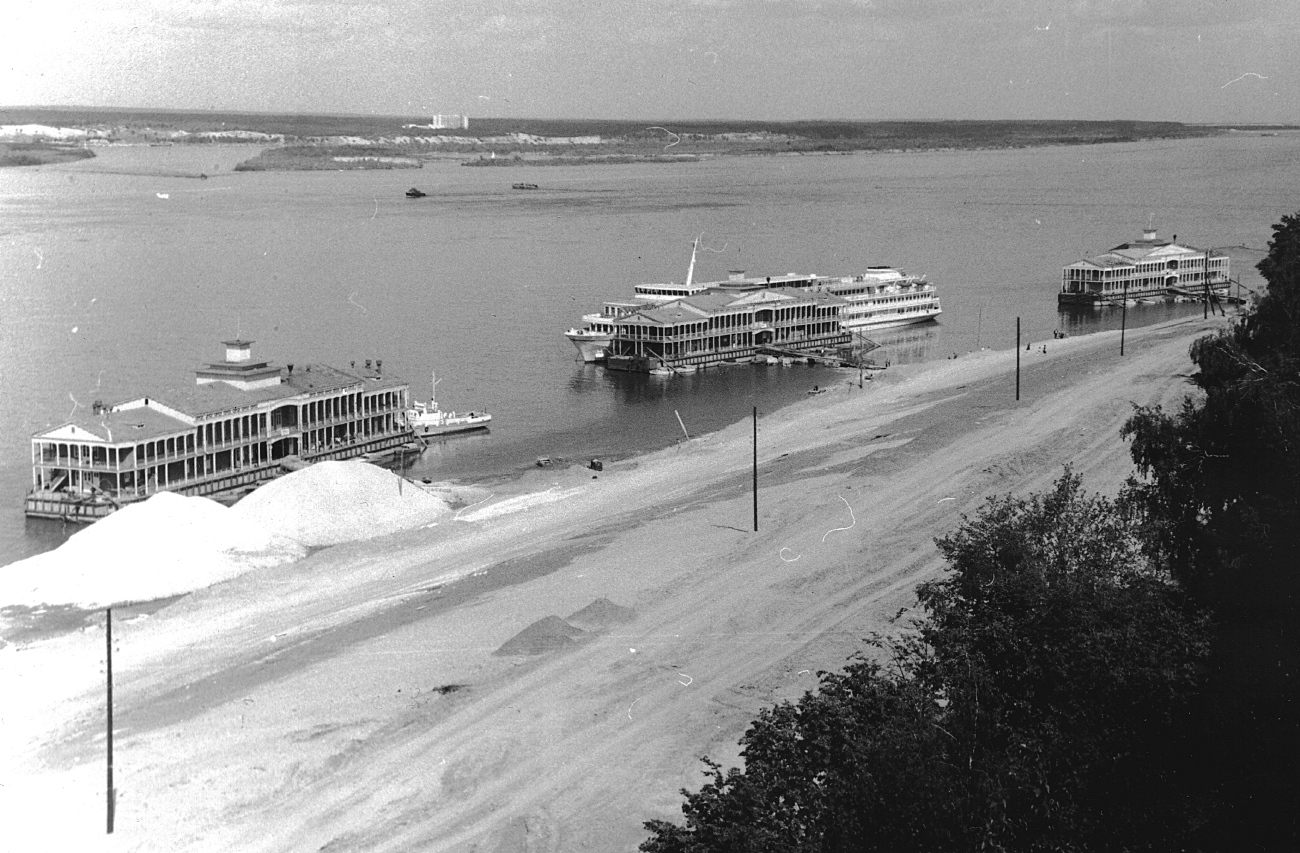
[691, 60]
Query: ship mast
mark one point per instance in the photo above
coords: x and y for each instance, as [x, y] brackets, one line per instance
[690, 271]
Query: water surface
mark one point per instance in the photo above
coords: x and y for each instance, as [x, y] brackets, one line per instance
[122, 274]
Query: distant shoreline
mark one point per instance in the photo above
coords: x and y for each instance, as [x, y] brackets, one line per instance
[300, 143]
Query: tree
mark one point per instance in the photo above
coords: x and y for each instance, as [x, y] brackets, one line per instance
[1043, 701]
[1219, 497]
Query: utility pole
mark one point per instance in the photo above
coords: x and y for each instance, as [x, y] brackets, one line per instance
[108, 642]
[1206, 282]
[1017, 358]
[1123, 318]
[756, 469]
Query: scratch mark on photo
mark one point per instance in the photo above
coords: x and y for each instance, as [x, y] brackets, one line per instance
[851, 516]
[1243, 77]
[675, 137]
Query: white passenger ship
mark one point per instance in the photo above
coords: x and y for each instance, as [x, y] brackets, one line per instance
[593, 339]
[883, 297]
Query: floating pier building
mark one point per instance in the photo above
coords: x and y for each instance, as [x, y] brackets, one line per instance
[241, 423]
[1149, 268]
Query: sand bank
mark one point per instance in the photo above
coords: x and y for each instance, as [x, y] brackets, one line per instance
[606, 629]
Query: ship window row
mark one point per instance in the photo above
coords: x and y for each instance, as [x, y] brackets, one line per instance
[125, 472]
[698, 331]
[673, 348]
[876, 289]
[1075, 274]
[231, 431]
[784, 317]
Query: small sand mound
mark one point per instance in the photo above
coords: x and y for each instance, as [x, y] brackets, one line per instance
[602, 613]
[333, 502]
[544, 635]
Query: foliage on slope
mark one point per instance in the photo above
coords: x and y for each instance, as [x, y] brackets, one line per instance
[1036, 706]
[1220, 497]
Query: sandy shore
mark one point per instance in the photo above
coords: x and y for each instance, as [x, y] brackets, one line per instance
[355, 700]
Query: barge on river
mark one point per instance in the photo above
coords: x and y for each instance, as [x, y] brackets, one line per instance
[1147, 269]
[241, 423]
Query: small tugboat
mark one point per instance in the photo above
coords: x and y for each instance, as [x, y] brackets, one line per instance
[523, 186]
[414, 193]
[427, 421]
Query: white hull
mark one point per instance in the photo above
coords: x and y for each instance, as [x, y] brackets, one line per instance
[590, 347]
[890, 323]
[428, 425]
[451, 427]
[427, 421]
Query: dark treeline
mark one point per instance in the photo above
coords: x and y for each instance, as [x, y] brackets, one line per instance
[1089, 674]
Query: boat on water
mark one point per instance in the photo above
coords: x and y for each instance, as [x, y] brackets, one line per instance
[754, 319]
[592, 339]
[426, 421]
[882, 298]
[1146, 269]
[414, 193]
[523, 186]
[238, 424]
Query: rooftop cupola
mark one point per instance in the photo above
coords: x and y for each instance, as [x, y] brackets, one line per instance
[238, 351]
[239, 369]
[1149, 234]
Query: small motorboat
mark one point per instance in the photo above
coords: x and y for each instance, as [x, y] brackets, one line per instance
[427, 421]
[523, 186]
[414, 193]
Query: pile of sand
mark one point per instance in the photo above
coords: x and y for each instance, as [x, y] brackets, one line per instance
[164, 546]
[545, 635]
[333, 502]
[600, 614]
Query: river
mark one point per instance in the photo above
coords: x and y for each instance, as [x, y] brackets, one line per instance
[121, 275]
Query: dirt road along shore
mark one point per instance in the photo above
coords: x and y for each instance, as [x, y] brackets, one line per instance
[357, 700]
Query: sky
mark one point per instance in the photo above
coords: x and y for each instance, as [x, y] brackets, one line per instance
[1220, 61]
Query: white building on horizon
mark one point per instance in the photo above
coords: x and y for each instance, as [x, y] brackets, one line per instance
[443, 122]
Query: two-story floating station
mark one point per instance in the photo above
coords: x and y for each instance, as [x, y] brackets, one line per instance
[241, 423]
[680, 327]
[1149, 268]
[715, 326]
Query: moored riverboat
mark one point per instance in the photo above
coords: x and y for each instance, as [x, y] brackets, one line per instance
[882, 298]
[646, 334]
[592, 339]
[1146, 269]
[240, 424]
[719, 326]
[428, 422]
